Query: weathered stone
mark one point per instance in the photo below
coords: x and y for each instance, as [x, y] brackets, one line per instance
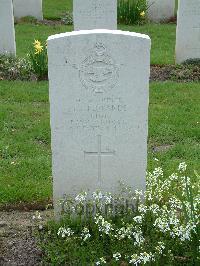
[24, 8]
[188, 31]
[95, 14]
[7, 30]
[160, 10]
[99, 86]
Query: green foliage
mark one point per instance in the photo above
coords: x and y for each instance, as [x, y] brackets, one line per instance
[39, 60]
[67, 18]
[12, 68]
[194, 61]
[163, 230]
[131, 11]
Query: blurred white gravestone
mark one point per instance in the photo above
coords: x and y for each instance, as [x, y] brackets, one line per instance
[7, 30]
[99, 87]
[188, 31]
[160, 10]
[95, 14]
[24, 8]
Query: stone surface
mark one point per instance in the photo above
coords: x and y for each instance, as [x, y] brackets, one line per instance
[99, 86]
[95, 14]
[188, 31]
[23, 8]
[160, 10]
[7, 30]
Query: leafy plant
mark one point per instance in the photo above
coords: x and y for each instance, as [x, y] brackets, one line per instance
[131, 11]
[124, 229]
[14, 68]
[39, 60]
[67, 19]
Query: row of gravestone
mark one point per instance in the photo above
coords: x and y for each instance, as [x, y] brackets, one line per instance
[158, 10]
[15, 8]
[102, 14]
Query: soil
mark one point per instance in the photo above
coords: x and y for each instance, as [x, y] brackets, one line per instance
[17, 242]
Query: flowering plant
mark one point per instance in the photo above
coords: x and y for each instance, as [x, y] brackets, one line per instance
[131, 11]
[160, 226]
[38, 59]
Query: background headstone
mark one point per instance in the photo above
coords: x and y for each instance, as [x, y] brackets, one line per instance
[160, 10]
[7, 30]
[24, 8]
[95, 14]
[99, 86]
[188, 31]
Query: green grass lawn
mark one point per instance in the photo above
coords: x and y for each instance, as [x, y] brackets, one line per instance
[54, 9]
[25, 156]
[163, 38]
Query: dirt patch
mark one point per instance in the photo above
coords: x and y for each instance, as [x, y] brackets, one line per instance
[177, 73]
[17, 242]
[13, 69]
[25, 206]
[161, 73]
[162, 148]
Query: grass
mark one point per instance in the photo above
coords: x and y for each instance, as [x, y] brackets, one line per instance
[25, 157]
[54, 9]
[24, 142]
[163, 38]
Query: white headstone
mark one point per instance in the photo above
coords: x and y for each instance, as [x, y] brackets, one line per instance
[7, 30]
[188, 31]
[24, 8]
[99, 86]
[160, 10]
[95, 14]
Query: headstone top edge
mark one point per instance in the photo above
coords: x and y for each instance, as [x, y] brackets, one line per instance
[98, 31]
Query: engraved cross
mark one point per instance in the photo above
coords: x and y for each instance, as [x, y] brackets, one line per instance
[99, 153]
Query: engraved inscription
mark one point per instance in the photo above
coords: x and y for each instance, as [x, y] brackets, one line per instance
[98, 71]
[108, 114]
[99, 153]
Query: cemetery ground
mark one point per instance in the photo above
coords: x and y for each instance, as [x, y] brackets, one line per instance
[25, 155]
[25, 137]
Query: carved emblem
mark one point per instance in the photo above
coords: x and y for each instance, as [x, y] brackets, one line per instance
[98, 71]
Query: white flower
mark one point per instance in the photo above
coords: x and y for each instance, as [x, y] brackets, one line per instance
[108, 198]
[80, 198]
[139, 239]
[138, 192]
[142, 208]
[160, 248]
[138, 219]
[145, 257]
[97, 195]
[85, 234]
[65, 232]
[101, 261]
[182, 167]
[103, 225]
[135, 259]
[117, 256]
[173, 176]
[158, 172]
[162, 224]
